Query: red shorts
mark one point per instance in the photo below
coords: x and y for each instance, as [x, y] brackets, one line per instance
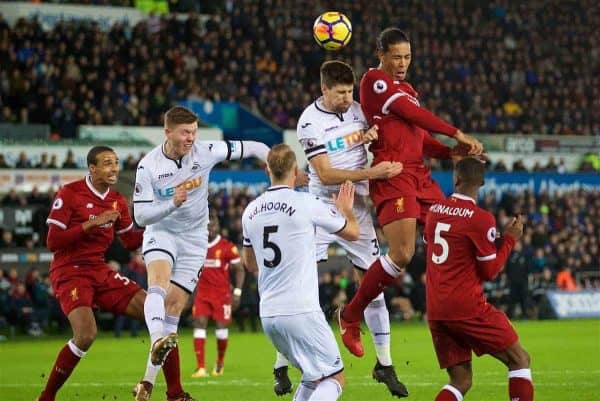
[96, 285]
[408, 195]
[215, 305]
[454, 340]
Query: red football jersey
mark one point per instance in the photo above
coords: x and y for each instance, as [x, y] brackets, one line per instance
[460, 239]
[403, 124]
[76, 203]
[215, 272]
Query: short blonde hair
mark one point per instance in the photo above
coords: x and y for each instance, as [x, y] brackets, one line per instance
[281, 160]
[179, 115]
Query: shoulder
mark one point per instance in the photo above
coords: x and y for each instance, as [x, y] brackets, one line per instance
[308, 119]
[149, 158]
[374, 75]
[74, 187]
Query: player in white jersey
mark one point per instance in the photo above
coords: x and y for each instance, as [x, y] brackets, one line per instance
[333, 131]
[171, 201]
[279, 234]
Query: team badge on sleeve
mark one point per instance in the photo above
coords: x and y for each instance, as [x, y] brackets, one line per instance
[58, 203]
[379, 86]
[491, 234]
[138, 188]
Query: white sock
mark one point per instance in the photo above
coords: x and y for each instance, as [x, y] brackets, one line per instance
[151, 372]
[304, 391]
[199, 333]
[222, 334]
[521, 373]
[390, 267]
[327, 390]
[377, 318]
[281, 361]
[457, 394]
[154, 312]
[75, 349]
[170, 325]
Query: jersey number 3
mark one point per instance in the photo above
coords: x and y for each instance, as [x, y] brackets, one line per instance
[272, 246]
[441, 241]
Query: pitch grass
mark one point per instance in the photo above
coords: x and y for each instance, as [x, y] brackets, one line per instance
[565, 362]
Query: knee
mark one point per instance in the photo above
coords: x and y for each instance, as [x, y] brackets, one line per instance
[521, 360]
[402, 255]
[463, 384]
[85, 339]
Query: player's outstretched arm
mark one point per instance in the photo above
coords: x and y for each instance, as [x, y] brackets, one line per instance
[333, 176]
[255, 149]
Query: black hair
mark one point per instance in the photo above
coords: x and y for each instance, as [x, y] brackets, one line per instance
[336, 72]
[390, 36]
[95, 151]
[470, 171]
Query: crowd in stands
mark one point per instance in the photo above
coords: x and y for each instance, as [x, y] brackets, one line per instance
[560, 249]
[519, 67]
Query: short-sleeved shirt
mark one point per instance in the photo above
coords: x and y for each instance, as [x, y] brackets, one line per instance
[458, 233]
[78, 202]
[158, 175]
[215, 273]
[338, 135]
[280, 227]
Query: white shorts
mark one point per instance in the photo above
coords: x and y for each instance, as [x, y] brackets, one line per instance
[185, 252]
[307, 341]
[361, 253]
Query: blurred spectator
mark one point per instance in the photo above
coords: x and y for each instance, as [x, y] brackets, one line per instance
[517, 275]
[70, 160]
[565, 280]
[3, 163]
[7, 240]
[23, 161]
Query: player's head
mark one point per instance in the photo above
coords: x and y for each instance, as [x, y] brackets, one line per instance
[469, 174]
[181, 125]
[281, 165]
[103, 165]
[393, 50]
[337, 85]
[213, 227]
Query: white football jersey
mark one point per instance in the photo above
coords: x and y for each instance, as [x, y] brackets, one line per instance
[157, 176]
[337, 135]
[280, 227]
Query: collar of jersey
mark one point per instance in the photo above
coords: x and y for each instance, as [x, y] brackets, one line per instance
[88, 182]
[338, 115]
[177, 162]
[214, 242]
[278, 187]
[463, 197]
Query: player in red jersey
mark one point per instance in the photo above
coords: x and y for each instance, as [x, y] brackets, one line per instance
[84, 218]
[461, 254]
[214, 298]
[392, 104]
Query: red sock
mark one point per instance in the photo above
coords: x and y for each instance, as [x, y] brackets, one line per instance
[373, 282]
[445, 395]
[520, 389]
[199, 349]
[64, 365]
[172, 373]
[221, 348]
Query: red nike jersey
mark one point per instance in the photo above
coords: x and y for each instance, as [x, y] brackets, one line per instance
[215, 272]
[460, 239]
[403, 123]
[76, 203]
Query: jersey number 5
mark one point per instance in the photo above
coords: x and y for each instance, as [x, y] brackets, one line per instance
[438, 239]
[272, 246]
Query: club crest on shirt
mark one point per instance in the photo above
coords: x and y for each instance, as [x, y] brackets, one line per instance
[74, 295]
[491, 234]
[400, 205]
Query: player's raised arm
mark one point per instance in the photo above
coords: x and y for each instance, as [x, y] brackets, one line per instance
[489, 265]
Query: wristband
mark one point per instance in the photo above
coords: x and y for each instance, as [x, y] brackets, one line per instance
[237, 292]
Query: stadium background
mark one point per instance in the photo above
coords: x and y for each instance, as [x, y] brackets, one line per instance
[524, 78]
